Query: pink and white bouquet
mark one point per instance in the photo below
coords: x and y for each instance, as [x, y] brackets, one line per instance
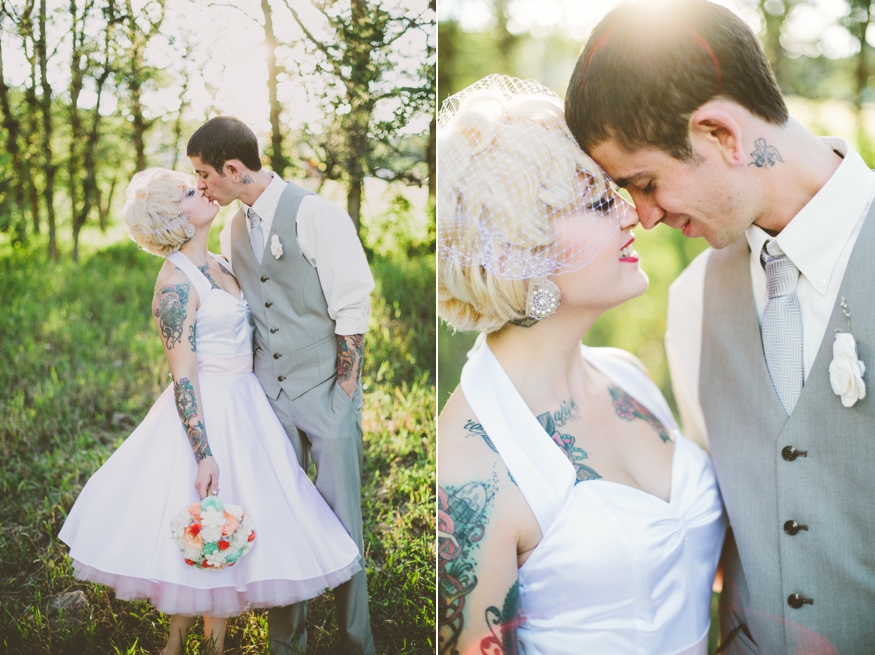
[212, 534]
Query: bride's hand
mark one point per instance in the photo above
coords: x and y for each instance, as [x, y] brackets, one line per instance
[207, 480]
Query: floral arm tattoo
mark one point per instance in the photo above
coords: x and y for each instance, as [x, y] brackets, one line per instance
[186, 405]
[169, 307]
[552, 422]
[350, 349]
[626, 407]
[463, 514]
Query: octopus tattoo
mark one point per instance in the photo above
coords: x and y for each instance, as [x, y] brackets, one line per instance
[169, 307]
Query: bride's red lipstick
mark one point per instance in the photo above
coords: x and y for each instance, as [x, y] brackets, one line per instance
[633, 258]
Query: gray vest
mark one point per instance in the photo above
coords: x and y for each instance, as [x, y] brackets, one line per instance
[765, 487]
[295, 345]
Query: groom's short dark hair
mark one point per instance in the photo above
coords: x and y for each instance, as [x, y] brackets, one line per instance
[222, 138]
[642, 75]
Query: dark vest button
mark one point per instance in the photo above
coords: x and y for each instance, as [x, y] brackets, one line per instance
[792, 527]
[276, 355]
[264, 279]
[281, 378]
[798, 600]
[790, 453]
[268, 304]
[272, 330]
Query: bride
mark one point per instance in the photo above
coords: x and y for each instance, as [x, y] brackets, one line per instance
[212, 426]
[573, 515]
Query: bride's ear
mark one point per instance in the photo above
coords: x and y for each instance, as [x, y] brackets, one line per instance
[713, 128]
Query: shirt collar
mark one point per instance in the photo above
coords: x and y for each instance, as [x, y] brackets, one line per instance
[816, 236]
[265, 205]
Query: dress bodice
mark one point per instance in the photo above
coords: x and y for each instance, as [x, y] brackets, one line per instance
[223, 325]
[618, 570]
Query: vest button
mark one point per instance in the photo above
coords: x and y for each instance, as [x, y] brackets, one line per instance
[268, 304]
[792, 527]
[798, 600]
[276, 355]
[264, 279]
[272, 330]
[790, 453]
[281, 378]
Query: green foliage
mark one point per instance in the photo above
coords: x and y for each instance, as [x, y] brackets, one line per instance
[83, 365]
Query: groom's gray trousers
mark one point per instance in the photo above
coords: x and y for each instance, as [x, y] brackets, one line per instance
[323, 423]
[295, 361]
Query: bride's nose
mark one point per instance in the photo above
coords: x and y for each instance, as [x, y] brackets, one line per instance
[630, 218]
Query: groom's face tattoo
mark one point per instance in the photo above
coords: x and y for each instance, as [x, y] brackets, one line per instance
[693, 196]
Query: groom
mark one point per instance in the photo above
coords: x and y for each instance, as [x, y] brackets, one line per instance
[303, 270]
[680, 107]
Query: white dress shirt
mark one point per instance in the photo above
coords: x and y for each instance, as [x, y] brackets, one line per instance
[818, 240]
[328, 241]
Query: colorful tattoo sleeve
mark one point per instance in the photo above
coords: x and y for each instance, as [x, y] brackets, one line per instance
[462, 519]
[350, 349]
[186, 406]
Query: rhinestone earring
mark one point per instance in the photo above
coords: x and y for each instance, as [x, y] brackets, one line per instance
[189, 230]
[542, 300]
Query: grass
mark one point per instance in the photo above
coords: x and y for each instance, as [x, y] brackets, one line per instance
[82, 366]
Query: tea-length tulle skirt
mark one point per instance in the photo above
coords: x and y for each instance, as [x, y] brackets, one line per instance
[119, 528]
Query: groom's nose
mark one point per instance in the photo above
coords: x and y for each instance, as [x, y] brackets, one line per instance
[649, 213]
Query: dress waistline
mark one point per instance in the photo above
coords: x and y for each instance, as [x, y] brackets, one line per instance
[227, 365]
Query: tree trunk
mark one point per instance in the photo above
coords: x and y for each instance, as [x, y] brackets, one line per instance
[46, 106]
[278, 161]
[103, 208]
[354, 201]
[31, 165]
[431, 157]
[862, 68]
[13, 129]
[772, 39]
[77, 78]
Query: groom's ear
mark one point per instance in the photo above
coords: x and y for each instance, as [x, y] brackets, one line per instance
[233, 168]
[712, 127]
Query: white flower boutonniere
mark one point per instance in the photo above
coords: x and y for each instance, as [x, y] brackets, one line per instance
[845, 370]
[276, 248]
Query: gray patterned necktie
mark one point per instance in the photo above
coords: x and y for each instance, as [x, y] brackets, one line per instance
[256, 236]
[782, 329]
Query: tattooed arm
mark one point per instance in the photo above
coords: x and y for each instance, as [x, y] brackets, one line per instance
[350, 349]
[485, 531]
[173, 307]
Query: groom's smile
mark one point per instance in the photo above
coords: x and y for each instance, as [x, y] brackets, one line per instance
[684, 195]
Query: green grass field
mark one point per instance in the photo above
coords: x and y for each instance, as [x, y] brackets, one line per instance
[81, 366]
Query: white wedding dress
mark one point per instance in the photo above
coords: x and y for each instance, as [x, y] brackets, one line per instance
[618, 571]
[119, 528]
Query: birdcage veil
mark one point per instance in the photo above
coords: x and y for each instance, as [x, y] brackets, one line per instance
[152, 201]
[516, 195]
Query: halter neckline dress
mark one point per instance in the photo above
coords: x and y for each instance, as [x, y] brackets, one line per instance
[618, 571]
[118, 530]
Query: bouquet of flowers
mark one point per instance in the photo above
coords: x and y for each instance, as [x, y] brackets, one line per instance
[212, 534]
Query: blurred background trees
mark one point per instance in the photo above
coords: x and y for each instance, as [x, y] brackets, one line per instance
[821, 51]
[92, 91]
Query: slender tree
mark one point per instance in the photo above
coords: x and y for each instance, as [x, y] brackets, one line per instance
[49, 165]
[278, 160]
[357, 58]
[12, 125]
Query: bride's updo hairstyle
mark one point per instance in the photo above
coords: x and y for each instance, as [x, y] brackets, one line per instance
[153, 212]
[518, 200]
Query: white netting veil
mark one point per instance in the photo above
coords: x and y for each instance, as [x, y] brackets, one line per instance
[516, 194]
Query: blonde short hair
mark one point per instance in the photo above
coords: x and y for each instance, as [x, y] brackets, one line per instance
[153, 212]
[520, 170]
